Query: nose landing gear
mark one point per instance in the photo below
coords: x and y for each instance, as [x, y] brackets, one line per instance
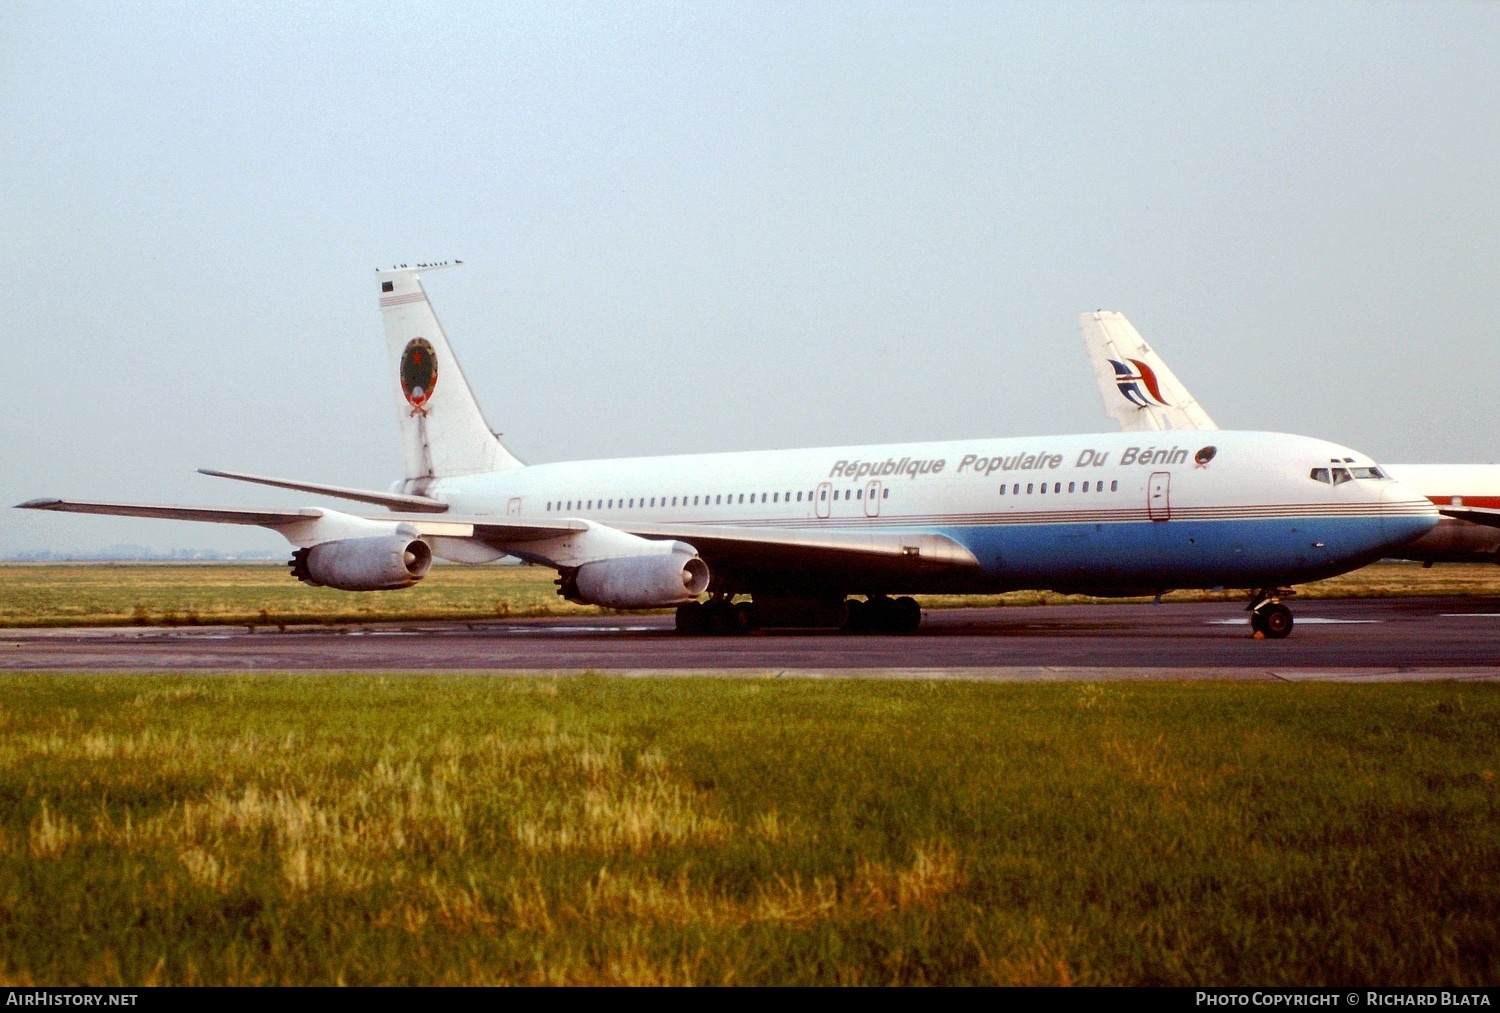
[1269, 618]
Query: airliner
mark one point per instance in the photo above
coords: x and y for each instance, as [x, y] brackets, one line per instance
[835, 536]
[1142, 394]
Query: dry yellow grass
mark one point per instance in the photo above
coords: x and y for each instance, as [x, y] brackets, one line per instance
[263, 595]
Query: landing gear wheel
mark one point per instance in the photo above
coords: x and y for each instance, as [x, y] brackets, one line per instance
[906, 615]
[692, 618]
[744, 617]
[716, 617]
[857, 616]
[722, 617]
[880, 614]
[1268, 617]
[1275, 621]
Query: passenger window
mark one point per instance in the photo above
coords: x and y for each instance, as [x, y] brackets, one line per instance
[1114, 486]
[1057, 487]
[1029, 487]
[1002, 490]
[859, 494]
[1070, 486]
[885, 493]
[825, 494]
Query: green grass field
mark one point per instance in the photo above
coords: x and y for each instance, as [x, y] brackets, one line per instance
[477, 829]
[264, 594]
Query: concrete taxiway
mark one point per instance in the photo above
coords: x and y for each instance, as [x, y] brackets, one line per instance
[1368, 640]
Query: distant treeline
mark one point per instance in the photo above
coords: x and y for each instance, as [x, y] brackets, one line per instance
[139, 554]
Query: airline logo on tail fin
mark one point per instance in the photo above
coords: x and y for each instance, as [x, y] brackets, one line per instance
[418, 374]
[1138, 389]
[1129, 379]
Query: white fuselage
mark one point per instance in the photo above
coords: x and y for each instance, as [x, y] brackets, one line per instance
[1453, 485]
[1112, 513]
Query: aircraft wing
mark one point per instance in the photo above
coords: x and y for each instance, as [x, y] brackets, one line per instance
[792, 551]
[784, 550]
[1139, 391]
[286, 521]
[1478, 515]
[215, 515]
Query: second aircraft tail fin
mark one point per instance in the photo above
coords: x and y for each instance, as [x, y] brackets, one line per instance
[1138, 389]
[443, 431]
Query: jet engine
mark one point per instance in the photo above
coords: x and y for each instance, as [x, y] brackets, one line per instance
[636, 582]
[383, 563]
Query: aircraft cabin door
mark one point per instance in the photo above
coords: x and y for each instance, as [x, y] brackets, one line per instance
[821, 505]
[1159, 496]
[872, 499]
[513, 508]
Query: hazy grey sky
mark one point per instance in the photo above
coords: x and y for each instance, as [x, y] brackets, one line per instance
[699, 226]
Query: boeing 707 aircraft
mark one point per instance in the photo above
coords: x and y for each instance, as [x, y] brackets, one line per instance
[794, 534]
[1143, 395]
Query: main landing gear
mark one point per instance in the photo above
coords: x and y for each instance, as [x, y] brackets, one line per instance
[1268, 617]
[877, 614]
[716, 616]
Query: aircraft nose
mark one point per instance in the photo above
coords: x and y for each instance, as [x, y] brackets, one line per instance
[1405, 514]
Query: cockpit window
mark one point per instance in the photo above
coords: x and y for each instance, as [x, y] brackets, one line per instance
[1338, 476]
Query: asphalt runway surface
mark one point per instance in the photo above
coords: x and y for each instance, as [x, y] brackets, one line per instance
[1366, 640]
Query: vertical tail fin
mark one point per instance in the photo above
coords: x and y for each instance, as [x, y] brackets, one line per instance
[443, 432]
[1138, 389]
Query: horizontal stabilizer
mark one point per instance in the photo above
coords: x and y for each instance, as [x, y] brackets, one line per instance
[393, 500]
